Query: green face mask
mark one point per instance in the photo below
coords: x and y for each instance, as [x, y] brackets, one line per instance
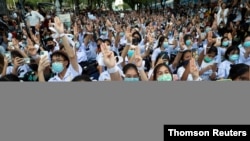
[131, 79]
[208, 59]
[165, 77]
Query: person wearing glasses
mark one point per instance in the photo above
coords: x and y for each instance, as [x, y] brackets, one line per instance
[63, 64]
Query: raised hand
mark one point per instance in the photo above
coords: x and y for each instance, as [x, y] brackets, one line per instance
[128, 35]
[194, 69]
[137, 59]
[108, 56]
[59, 25]
[18, 62]
[43, 63]
[75, 30]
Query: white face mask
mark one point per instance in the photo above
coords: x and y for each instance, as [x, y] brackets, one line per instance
[48, 16]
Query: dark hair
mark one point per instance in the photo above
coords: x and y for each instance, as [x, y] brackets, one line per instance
[15, 53]
[29, 4]
[160, 55]
[161, 40]
[223, 39]
[137, 33]
[237, 70]
[186, 37]
[230, 49]
[183, 54]
[9, 77]
[213, 49]
[130, 66]
[158, 67]
[49, 39]
[107, 40]
[81, 78]
[61, 53]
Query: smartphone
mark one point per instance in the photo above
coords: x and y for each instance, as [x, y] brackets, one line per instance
[10, 43]
[44, 53]
[8, 56]
[26, 60]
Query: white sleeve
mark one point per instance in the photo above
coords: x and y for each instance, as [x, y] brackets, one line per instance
[221, 71]
[180, 72]
[155, 54]
[39, 16]
[9, 70]
[74, 72]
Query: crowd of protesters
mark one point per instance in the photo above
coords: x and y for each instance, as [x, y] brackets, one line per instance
[203, 42]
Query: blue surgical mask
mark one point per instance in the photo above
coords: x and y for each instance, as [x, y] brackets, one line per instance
[165, 77]
[208, 59]
[246, 44]
[225, 43]
[57, 67]
[234, 57]
[104, 32]
[122, 34]
[208, 29]
[131, 79]
[130, 53]
[165, 45]
[188, 42]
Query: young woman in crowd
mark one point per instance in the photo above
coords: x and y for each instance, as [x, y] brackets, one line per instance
[231, 57]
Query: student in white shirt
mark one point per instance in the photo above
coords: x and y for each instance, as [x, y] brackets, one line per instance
[161, 58]
[18, 68]
[207, 64]
[184, 72]
[162, 72]
[80, 52]
[231, 57]
[245, 51]
[225, 43]
[33, 17]
[64, 64]
[161, 47]
[51, 45]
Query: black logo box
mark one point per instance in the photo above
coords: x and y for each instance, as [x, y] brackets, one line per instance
[206, 131]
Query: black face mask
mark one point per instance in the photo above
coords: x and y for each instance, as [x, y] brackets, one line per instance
[50, 46]
[185, 63]
[34, 67]
[135, 41]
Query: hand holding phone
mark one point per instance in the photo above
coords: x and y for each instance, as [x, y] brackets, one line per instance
[44, 53]
[26, 60]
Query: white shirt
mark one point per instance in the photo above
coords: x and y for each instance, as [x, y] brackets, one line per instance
[219, 18]
[242, 57]
[155, 53]
[70, 74]
[34, 18]
[21, 71]
[181, 71]
[106, 76]
[221, 53]
[81, 55]
[224, 69]
[206, 74]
